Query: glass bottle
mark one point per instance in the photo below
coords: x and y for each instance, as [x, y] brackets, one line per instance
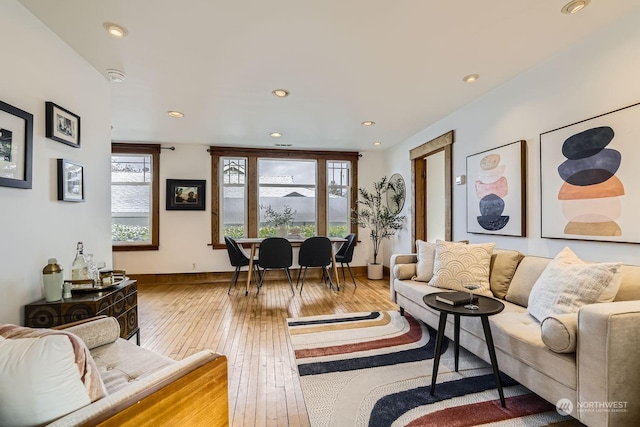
[92, 269]
[52, 280]
[79, 270]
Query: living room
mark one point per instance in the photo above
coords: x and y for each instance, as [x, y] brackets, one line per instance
[594, 75]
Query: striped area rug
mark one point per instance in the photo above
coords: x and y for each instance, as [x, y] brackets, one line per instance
[374, 369]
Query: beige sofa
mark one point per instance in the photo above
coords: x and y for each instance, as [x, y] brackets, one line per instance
[142, 387]
[600, 377]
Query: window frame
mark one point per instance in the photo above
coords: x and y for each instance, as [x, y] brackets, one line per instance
[154, 151]
[252, 155]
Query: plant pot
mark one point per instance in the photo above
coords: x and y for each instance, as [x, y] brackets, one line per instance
[374, 271]
[282, 231]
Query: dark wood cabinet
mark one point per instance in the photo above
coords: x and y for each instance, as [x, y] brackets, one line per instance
[120, 302]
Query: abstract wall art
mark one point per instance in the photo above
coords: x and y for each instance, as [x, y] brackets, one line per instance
[496, 191]
[588, 180]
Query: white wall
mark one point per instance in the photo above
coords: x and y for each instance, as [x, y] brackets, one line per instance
[185, 235]
[595, 76]
[39, 67]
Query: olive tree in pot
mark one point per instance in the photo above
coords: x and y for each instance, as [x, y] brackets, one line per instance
[374, 214]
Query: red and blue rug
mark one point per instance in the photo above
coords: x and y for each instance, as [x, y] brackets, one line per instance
[374, 369]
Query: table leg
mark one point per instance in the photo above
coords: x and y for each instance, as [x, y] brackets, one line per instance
[436, 357]
[492, 355]
[253, 254]
[335, 267]
[456, 337]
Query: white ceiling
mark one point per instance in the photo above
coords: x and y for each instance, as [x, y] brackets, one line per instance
[399, 63]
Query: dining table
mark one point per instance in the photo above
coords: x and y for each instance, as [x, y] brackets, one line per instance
[255, 244]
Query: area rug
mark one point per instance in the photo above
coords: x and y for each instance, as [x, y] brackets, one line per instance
[374, 369]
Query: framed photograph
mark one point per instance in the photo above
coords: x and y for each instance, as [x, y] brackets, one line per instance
[16, 146]
[186, 194]
[588, 178]
[62, 125]
[70, 181]
[496, 190]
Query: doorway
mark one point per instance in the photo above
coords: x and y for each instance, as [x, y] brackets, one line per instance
[432, 182]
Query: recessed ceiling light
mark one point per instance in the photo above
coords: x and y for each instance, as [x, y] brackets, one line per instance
[175, 114]
[377, 143]
[470, 78]
[574, 6]
[116, 76]
[280, 93]
[115, 30]
[368, 123]
[275, 134]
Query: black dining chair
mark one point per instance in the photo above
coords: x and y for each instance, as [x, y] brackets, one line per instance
[275, 253]
[314, 252]
[239, 258]
[345, 256]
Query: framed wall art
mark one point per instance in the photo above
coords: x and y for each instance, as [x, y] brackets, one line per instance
[62, 125]
[186, 194]
[496, 187]
[589, 184]
[70, 181]
[16, 146]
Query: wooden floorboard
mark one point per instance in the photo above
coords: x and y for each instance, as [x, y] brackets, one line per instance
[264, 389]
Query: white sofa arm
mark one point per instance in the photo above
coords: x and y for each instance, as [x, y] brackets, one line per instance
[608, 357]
[398, 259]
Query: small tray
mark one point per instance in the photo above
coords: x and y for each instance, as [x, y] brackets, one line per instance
[88, 287]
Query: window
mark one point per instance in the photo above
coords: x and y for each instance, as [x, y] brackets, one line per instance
[315, 186]
[135, 196]
[339, 196]
[234, 197]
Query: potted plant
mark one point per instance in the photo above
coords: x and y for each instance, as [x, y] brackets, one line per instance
[278, 219]
[374, 214]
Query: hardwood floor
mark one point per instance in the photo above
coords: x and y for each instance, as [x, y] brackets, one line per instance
[264, 390]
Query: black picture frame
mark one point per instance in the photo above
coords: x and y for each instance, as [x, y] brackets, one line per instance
[186, 194]
[62, 125]
[70, 181]
[16, 147]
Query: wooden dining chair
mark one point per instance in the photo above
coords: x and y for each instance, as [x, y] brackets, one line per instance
[275, 253]
[315, 252]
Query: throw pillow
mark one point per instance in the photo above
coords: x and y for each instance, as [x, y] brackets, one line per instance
[559, 332]
[568, 283]
[458, 263]
[426, 255]
[97, 332]
[85, 364]
[39, 380]
[404, 271]
[503, 267]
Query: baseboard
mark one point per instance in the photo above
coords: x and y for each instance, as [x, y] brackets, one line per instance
[224, 277]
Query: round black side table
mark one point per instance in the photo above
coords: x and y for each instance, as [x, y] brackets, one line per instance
[486, 307]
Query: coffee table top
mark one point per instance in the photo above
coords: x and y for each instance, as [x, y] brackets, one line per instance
[487, 306]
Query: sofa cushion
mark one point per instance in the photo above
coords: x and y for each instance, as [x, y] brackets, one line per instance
[517, 334]
[524, 278]
[426, 257]
[569, 283]
[560, 331]
[458, 263]
[123, 362]
[404, 271]
[39, 380]
[503, 266]
[83, 360]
